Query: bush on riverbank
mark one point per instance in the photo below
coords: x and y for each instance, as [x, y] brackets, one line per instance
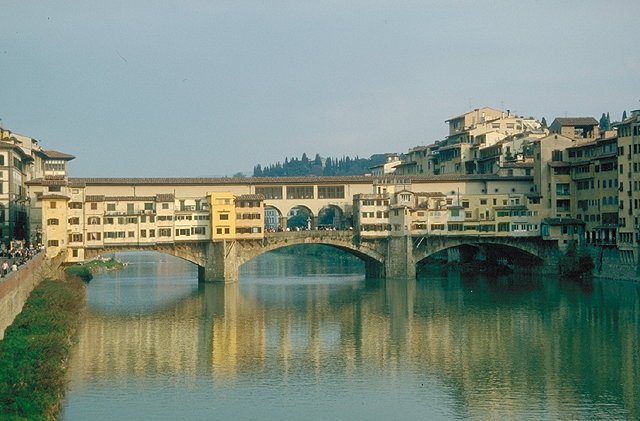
[575, 264]
[85, 271]
[35, 350]
[81, 272]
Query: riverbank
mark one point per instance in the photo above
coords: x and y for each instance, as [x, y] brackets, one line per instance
[85, 271]
[35, 351]
[103, 264]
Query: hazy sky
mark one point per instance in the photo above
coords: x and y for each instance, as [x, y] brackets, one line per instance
[203, 88]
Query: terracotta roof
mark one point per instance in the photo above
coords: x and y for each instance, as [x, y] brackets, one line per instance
[54, 196]
[576, 121]
[76, 184]
[35, 181]
[467, 177]
[472, 111]
[449, 147]
[608, 139]
[56, 155]
[250, 181]
[406, 164]
[130, 198]
[583, 144]
[54, 183]
[225, 180]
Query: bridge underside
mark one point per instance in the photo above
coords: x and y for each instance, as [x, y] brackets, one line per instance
[519, 253]
[194, 252]
[390, 257]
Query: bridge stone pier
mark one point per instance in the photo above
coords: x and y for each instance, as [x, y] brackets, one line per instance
[220, 263]
[393, 257]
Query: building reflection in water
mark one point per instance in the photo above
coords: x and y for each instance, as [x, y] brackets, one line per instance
[500, 346]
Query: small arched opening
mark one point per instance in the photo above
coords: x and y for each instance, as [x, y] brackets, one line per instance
[273, 219]
[300, 218]
[331, 218]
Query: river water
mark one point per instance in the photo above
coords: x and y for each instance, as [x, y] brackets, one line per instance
[309, 338]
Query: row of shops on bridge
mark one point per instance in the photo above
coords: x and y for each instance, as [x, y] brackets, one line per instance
[75, 222]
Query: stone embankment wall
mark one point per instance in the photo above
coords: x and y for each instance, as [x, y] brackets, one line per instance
[611, 263]
[16, 287]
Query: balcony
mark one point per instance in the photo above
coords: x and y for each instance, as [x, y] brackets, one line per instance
[115, 213]
[188, 208]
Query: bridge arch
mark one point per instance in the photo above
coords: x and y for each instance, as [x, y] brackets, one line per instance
[191, 252]
[341, 240]
[526, 252]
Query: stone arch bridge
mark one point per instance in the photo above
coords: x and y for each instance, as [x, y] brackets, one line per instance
[386, 257]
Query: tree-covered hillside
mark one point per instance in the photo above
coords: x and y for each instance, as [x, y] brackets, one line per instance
[319, 166]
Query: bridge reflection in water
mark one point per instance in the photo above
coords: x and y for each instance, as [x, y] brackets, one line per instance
[500, 347]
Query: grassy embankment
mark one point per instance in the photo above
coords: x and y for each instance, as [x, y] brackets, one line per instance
[86, 270]
[35, 351]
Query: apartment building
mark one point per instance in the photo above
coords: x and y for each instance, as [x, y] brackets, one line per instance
[22, 159]
[392, 160]
[594, 187]
[250, 214]
[576, 127]
[371, 214]
[474, 144]
[419, 160]
[223, 216]
[454, 205]
[75, 222]
[628, 156]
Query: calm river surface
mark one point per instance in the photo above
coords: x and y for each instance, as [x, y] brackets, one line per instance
[309, 338]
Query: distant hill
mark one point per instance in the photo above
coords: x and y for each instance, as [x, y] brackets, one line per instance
[304, 166]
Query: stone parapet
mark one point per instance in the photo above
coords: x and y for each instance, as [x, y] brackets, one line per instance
[16, 287]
